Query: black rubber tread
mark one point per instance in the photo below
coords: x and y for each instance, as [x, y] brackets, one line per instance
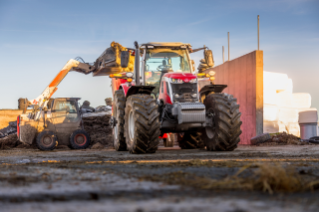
[21, 103]
[147, 125]
[43, 134]
[191, 140]
[119, 103]
[74, 145]
[260, 138]
[314, 140]
[226, 121]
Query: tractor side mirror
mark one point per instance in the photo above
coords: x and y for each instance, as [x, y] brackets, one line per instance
[208, 55]
[125, 56]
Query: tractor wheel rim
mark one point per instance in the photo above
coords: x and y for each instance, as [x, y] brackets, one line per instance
[131, 125]
[47, 140]
[80, 139]
[210, 131]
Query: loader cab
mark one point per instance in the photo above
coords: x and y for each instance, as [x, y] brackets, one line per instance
[64, 111]
[162, 58]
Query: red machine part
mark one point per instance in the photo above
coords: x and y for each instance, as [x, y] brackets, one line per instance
[163, 136]
[186, 77]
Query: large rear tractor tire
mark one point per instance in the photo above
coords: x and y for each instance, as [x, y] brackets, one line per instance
[118, 113]
[142, 126]
[223, 112]
[47, 140]
[191, 140]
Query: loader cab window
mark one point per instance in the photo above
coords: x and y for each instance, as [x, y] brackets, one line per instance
[65, 106]
[160, 60]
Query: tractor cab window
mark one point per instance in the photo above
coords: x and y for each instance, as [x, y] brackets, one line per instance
[159, 61]
[69, 106]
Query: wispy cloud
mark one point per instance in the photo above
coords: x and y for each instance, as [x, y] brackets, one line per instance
[199, 22]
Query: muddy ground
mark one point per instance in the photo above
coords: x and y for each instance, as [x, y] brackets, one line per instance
[169, 180]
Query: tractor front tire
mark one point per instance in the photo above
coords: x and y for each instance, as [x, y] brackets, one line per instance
[142, 126]
[80, 139]
[118, 113]
[223, 112]
[47, 140]
[190, 140]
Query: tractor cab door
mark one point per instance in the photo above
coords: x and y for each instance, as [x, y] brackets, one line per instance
[65, 116]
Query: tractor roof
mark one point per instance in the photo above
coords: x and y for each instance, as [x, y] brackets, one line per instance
[168, 44]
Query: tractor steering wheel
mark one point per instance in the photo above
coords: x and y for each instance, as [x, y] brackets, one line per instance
[163, 67]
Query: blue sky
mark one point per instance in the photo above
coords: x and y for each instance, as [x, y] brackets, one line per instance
[38, 37]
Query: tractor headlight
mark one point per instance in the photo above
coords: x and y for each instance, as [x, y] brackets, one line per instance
[194, 95]
[129, 75]
[178, 81]
[211, 73]
[176, 96]
[193, 80]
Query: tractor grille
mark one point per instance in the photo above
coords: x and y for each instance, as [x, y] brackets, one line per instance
[185, 92]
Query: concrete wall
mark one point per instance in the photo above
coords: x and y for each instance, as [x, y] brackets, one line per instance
[244, 77]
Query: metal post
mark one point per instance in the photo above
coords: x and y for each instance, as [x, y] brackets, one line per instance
[223, 54]
[258, 32]
[137, 63]
[228, 48]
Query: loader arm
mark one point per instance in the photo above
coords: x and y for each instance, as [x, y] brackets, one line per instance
[42, 100]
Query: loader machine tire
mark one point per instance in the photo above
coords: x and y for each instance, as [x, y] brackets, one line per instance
[80, 139]
[118, 113]
[223, 111]
[142, 126]
[47, 140]
[191, 140]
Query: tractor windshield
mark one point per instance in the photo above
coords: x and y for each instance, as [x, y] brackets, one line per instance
[161, 60]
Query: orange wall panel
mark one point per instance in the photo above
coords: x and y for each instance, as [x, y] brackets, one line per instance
[244, 78]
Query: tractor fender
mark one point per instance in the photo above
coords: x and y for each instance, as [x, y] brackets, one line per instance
[137, 89]
[211, 88]
[124, 87]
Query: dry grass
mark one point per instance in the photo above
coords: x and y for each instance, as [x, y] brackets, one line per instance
[266, 177]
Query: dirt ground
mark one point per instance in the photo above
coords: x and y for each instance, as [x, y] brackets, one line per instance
[169, 180]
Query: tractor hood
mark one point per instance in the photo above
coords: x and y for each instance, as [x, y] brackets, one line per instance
[186, 77]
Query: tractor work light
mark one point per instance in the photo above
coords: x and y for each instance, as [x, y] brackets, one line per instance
[129, 75]
[177, 81]
[193, 80]
[211, 73]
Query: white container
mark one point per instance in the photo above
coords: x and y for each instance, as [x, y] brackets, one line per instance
[308, 124]
[270, 112]
[301, 100]
[287, 115]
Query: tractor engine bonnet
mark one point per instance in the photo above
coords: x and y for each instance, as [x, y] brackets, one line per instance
[185, 91]
[186, 77]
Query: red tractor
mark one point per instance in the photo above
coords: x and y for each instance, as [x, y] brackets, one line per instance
[164, 95]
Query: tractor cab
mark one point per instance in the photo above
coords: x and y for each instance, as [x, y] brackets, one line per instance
[165, 96]
[163, 58]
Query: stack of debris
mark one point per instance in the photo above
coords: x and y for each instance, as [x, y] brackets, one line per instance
[97, 125]
[283, 138]
[11, 129]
